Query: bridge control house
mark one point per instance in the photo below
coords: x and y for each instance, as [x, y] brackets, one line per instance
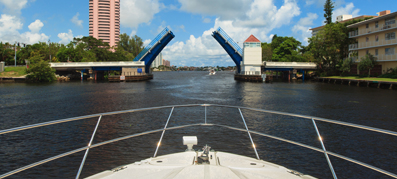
[252, 57]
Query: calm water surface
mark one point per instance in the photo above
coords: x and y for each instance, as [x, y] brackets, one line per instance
[23, 104]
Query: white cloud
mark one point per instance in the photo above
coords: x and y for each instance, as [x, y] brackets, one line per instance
[347, 10]
[257, 17]
[36, 26]
[31, 37]
[206, 20]
[76, 21]
[133, 33]
[224, 9]
[317, 2]
[172, 7]
[182, 27]
[162, 27]
[13, 7]
[310, 2]
[135, 12]
[146, 42]
[66, 37]
[303, 26]
[10, 26]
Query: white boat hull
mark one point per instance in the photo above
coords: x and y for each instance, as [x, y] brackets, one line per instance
[184, 165]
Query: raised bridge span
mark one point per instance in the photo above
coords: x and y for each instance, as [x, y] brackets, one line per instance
[150, 52]
[230, 46]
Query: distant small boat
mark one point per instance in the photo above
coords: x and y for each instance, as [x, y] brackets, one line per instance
[212, 72]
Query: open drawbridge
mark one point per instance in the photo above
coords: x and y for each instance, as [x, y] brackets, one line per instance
[231, 47]
[150, 52]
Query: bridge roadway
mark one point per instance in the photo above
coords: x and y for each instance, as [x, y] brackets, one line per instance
[287, 66]
[98, 66]
[275, 66]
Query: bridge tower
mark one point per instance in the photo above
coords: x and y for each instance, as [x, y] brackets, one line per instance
[252, 56]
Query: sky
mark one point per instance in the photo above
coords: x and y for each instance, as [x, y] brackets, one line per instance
[191, 21]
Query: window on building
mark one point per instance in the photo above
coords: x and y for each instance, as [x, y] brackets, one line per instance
[252, 44]
[367, 26]
[376, 24]
[367, 52]
[376, 52]
[389, 51]
[390, 36]
[376, 38]
[390, 21]
[367, 39]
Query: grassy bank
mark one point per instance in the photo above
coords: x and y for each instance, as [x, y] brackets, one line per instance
[13, 72]
[365, 78]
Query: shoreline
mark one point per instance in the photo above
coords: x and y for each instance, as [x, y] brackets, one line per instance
[358, 82]
[20, 79]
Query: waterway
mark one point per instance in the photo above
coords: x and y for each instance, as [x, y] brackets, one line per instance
[23, 104]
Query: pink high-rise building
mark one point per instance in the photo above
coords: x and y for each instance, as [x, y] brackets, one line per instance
[166, 63]
[105, 20]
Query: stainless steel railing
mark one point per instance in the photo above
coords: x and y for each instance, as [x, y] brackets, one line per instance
[90, 145]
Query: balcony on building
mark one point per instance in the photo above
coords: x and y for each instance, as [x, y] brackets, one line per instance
[353, 46]
[373, 25]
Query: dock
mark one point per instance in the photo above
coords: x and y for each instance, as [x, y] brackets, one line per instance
[118, 78]
[253, 78]
[358, 82]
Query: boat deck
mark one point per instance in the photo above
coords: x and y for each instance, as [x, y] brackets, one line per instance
[184, 165]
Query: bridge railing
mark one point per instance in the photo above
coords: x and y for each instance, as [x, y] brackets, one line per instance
[297, 65]
[151, 44]
[77, 64]
[230, 41]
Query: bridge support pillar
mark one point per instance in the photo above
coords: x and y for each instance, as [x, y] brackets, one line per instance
[96, 75]
[303, 75]
[91, 72]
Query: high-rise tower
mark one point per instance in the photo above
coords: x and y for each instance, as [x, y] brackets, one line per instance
[105, 20]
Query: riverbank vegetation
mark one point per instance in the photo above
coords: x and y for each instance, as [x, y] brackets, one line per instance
[13, 71]
[285, 49]
[364, 78]
[85, 49]
[39, 70]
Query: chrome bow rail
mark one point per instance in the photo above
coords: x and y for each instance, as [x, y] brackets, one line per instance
[90, 145]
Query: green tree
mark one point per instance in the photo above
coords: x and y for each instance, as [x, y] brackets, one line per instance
[287, 50]
[329, 47]
[98, 47]
[24, 54]
[346, 65]
[132, 45]
[7, 53]
[267, 52]
[276, 41]
[328, 8]
[367, 63]
[39, 69]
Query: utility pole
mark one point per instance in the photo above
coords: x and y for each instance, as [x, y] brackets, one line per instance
[15, 48]
[49, 46]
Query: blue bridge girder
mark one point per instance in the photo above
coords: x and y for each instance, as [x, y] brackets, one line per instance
[150, 52]
[230, 46]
